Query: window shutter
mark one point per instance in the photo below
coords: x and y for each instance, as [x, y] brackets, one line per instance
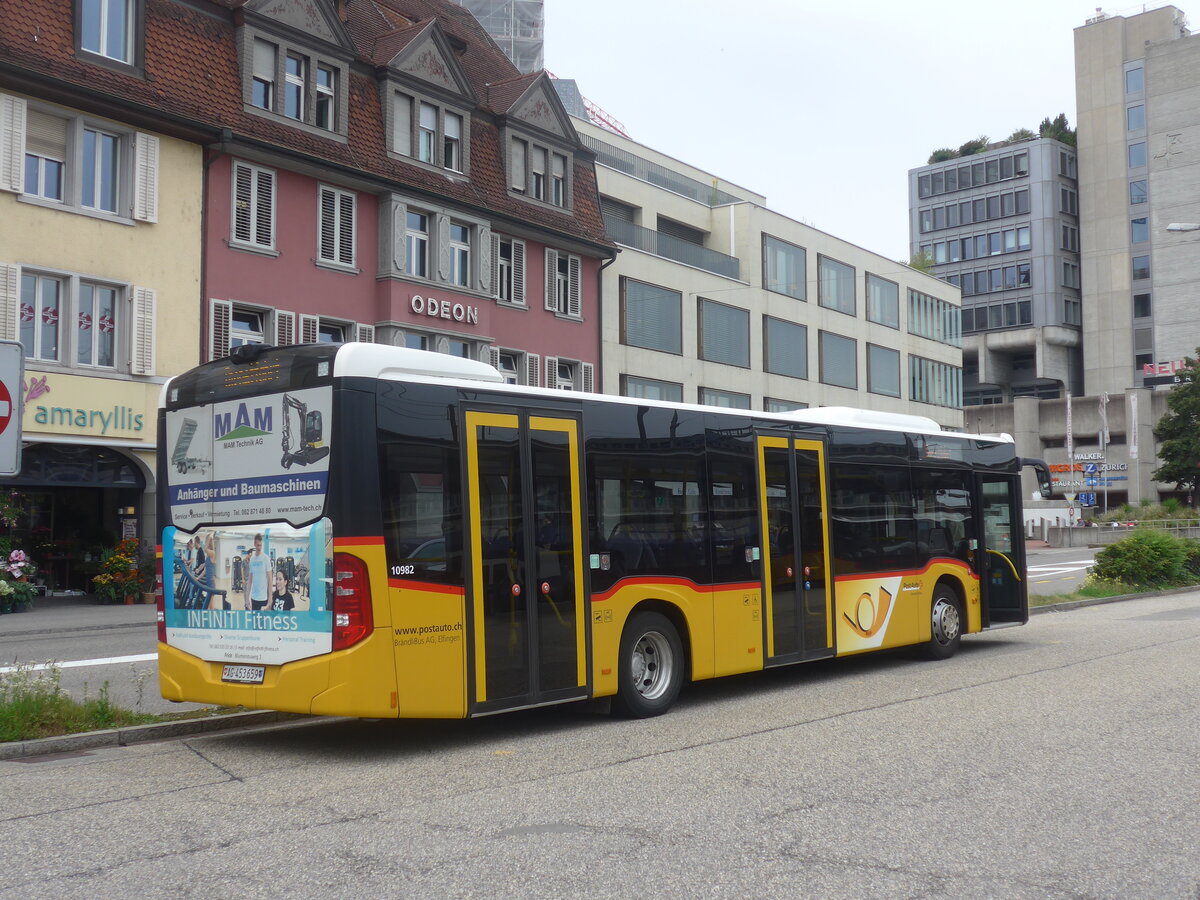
[494, 267]
[243, 203]
[264, 226]
[364, 333]
[10, 302]
[551, 273]
[486, 245]
[285, 328]
[145, 179]
[220, 320]
[346, 229]
[309, 333]
[574, 307]
[12, 143]
[443, 247]
[328, 250]
[491, 356]
[518, 272]
[141, 356]
[552, 372]
[533, 368]
[589, 377]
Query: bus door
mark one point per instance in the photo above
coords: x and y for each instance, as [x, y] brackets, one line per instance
[528, 621]
[1001, 565]
[797, 618]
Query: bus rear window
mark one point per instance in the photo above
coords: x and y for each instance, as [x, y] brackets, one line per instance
[272, 370]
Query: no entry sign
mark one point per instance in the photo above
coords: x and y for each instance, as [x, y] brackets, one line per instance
[12, 369]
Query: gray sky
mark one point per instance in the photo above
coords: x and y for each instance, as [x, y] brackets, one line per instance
[821, 106]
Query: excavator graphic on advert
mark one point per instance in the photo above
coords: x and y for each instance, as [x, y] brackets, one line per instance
[312, 444]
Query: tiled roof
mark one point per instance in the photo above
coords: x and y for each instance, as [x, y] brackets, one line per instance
[192, 73]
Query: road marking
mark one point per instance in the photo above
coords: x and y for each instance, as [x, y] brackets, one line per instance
[1065, 568]
[80, 663]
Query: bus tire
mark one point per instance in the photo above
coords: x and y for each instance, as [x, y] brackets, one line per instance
[946, 623]
[650, 668]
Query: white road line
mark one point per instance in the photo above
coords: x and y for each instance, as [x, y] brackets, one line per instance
[80, 663]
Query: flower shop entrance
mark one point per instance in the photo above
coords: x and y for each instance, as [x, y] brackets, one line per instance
[73, 502]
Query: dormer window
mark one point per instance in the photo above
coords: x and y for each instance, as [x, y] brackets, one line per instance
[296, 85]
[109, 31]
[436, 136]
[538, 172]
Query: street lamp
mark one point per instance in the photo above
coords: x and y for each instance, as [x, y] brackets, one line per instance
[1184, 226]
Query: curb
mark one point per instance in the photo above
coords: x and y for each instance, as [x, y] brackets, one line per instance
[1097, 601]
[137, 734]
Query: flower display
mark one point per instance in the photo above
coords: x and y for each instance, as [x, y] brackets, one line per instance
[120, 579]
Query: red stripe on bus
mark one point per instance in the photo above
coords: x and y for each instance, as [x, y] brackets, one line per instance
[372, 540]
[426, 586]
[668, 579]
[907, 573]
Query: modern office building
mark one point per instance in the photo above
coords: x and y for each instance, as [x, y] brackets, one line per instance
[717, 299]
[1137, 82]
[1003, 226]
[517, 26]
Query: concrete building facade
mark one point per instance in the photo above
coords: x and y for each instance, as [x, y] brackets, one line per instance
[716, 299]
[1003, 226]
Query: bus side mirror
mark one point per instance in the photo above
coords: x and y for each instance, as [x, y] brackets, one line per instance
[1042, 471]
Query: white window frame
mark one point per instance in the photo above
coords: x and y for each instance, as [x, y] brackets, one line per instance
[415, 238]
[508, 276]
[257, 187]
[427, 132]
[337, 215]
[452, 142]
[325, 100]
[104, 48]
[266, 64]
[563, 292]
[294, 82]
[534, 172]
[460, 256]
[262, 71]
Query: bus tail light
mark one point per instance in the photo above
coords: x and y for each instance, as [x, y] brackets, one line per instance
[158, 595]
[352, 619]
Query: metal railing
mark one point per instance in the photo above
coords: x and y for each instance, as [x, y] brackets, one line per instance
[631, 164]
[664, 245]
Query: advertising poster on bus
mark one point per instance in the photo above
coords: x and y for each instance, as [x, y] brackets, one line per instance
[249, 595]
[256, 459]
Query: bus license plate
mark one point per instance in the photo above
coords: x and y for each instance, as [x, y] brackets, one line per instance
[244, 674]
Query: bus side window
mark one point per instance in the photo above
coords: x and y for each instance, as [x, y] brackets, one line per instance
[422, 511]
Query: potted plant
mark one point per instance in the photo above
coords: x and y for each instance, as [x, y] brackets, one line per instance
[16, 589]
[120, 579]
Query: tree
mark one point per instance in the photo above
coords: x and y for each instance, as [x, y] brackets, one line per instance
[942, 154]
[1021, 134]
[922, 262]
[1179, 431]
[970, 148]
[1058, 129]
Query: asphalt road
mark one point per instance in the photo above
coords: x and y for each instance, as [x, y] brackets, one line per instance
[1055, 760]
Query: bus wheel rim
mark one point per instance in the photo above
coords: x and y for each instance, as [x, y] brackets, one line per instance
[652, 665]
[946, 622]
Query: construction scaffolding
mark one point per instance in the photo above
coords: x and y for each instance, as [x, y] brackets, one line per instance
[517, 26]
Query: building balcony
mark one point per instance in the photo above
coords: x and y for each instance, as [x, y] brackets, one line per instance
[668, 247]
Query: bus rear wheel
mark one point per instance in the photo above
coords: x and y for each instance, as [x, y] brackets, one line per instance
[650, 668]
[946, 624]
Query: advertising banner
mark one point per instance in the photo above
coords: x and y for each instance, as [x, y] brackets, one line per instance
[254, 594]
[257, 459]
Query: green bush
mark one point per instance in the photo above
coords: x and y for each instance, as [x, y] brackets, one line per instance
[1191, 563]
[1147, 558]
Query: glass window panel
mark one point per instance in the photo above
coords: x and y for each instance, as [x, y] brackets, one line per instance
[785, 267]
[883, 370]
[786, 347]
[1137, 155]
[839, 360]
[1135, 81]
[651, 389]
[835, 285]
[1137, 191]
[1006, 167]
[883, 299]
[1139, 230]
[1141, 267]
[1135, 117]
[652, 317]
[724, 334]
[730, 399]
[1141, 305]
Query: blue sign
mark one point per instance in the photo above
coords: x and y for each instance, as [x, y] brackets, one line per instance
[1087, 498]
[1089, 468]
[1090, 482]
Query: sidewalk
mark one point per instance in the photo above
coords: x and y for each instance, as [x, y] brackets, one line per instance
[78, 612]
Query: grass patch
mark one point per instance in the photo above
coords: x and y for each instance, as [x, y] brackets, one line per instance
[34, 705]
[1097, 590]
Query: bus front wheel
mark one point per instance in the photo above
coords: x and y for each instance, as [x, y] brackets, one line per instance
[650, 669]
[946, 624]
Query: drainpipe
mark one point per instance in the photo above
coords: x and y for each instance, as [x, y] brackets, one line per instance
[221, 150]
[599, 378]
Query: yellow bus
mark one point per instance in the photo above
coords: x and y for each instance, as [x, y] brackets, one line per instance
[373, 531]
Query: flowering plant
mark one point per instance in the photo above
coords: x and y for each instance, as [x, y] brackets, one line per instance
[16, 590]
[120, 573]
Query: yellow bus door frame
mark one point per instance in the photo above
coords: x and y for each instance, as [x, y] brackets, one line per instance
[528, 622]
[798, 590]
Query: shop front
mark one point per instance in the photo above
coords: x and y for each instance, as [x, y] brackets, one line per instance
[87, 475]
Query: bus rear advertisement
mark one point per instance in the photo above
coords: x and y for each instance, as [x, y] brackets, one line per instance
[365, 530]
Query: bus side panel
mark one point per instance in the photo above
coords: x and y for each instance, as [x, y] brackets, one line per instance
[429, 624]
[611, 610]
[875, 612]
[362, 678]
[738, 628]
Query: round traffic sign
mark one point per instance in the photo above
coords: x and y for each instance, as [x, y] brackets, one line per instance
[6, 407]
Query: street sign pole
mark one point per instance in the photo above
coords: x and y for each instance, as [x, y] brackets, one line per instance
[12, 371]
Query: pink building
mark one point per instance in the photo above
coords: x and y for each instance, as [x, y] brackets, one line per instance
[395, 179]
